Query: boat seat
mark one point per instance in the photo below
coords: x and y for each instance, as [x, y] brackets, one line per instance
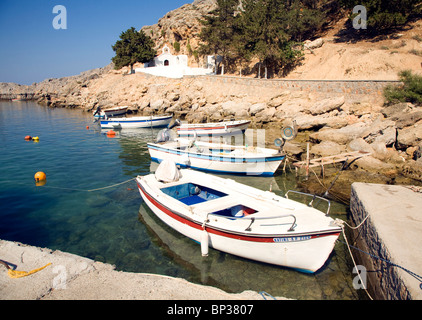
[191, 200]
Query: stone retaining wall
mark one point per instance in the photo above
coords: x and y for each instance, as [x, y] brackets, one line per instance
[384, 283]
[367, 87]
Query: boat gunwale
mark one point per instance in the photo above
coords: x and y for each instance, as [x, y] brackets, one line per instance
[254, 237]
[213, 125]
[137, 119]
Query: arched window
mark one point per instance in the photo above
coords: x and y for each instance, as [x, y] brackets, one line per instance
[166, 62]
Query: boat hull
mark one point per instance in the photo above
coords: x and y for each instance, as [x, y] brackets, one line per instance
[258, 165]
[136, 122]
[213, 129]
[303, 251]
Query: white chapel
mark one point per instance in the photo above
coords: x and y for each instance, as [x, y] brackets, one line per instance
[172, 66]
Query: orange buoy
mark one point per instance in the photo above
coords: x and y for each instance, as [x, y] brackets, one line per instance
[40, 176]
[87, 127]
[111, 133]
[27, 138]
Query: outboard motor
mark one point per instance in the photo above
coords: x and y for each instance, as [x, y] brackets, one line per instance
[166, 134]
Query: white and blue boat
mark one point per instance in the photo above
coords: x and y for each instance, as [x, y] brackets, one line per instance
[239, 219]
[136, 122]
[218, 158]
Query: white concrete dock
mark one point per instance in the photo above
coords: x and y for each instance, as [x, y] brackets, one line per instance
[393, 232]
[71, 277]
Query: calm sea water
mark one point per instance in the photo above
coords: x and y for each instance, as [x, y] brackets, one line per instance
[113, 225]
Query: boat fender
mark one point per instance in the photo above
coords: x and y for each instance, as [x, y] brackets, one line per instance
[184, 159]
[204, 243]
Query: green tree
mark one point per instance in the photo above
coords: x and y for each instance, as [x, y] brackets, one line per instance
[217, 31]
[303, 19]
[132, 47]
[385, 14]
[265, 24]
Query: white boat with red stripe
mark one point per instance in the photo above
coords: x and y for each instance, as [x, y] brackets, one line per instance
[238, 219]
[213, 128]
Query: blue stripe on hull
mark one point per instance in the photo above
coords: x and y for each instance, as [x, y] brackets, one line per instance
[262, 174]
[218, 158]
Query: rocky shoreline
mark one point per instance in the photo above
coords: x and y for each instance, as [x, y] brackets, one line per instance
[332, 122]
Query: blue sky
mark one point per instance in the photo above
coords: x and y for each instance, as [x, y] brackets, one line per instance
[32, 50]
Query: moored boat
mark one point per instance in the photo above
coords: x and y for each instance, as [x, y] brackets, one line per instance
[214, 128]
[110, 112]
[136, 122]
[238, 219]
[218, 158]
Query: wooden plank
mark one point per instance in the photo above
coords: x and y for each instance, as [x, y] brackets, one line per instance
[331, 159]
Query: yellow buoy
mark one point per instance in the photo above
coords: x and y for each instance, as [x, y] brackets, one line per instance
[40, 176]
[35, 139]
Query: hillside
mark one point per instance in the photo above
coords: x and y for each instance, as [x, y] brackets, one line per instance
[337, 59]
[181, 25]
[363, 60]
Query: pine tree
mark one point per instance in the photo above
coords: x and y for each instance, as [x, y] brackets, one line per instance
[383, 15]
[217, 33]
[265, 25]
[132, 47]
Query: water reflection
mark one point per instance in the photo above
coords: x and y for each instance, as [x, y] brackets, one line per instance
[111, 225]
[235, 274]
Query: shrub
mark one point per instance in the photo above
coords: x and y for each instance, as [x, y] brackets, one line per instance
[409, 91]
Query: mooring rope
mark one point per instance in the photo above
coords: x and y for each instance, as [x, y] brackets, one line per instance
[413, 274]
[90, 190]
[72, 189]
[341, 224]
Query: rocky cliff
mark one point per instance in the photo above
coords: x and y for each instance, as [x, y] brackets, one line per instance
[181, 26]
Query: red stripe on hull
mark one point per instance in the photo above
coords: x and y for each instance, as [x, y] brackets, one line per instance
[190, 223]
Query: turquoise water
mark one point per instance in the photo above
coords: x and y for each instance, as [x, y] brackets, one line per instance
[113, 225]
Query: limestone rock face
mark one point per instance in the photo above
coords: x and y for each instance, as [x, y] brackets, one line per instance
[181, 25]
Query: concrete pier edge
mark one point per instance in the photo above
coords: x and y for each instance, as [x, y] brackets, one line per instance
[393, 233]
[71, 277]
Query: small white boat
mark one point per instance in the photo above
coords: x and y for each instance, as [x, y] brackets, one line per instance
[218, 158]
[136, 122]
[238, 219]
[110, 112]
[215, 128]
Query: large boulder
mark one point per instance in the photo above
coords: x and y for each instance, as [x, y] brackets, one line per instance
[326, 105]
[410, 136]
[327, 148]
[257, 107]
[342, 136]
[236, 108]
